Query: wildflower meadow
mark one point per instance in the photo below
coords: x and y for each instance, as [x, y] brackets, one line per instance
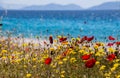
[60, 57]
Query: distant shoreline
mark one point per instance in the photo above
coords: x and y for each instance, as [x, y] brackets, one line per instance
[60, 10]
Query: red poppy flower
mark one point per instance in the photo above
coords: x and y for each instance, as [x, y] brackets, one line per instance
[83, 39]
[48, 60]
[111, 57]
[51, 39]
[90, 63]
[90, 38]
[111, 38]
[110, 44]
[117, 43]
[85, 57]
[62, 39]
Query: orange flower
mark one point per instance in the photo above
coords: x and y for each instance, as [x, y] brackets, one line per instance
[65, 53]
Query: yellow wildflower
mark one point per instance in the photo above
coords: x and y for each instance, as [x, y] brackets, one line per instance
[60, 62]
[89, 49]
[118, 76]
[97, 62]
[56, 71]
[116, 65]
[58, 57]
[65, 59]
[25, 44]
[4, 57]
[102, 67]
[25, 66]
[51, 49]
[81, 51]
[113, 69]
[34, 66]
[34, 59]
[62, 76]
[45, 56]
[101, 50]
[85, 53]
[84, 47]
[18, 61]
[62, 72]
[53, 66]
[73, 39]
[111, 49]
[70, 49]
[117, 60]
[73, 52]
[59, 36]
[58, 47]
[78, 39]
[92, 52]
[72, 60]
[97, 54]
[28, 75]
[96, 46]
[4, 51]
[107, 74]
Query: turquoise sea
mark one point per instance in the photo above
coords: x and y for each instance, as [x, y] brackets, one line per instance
[73, 23]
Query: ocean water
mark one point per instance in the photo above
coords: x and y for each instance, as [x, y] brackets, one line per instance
[74, 23]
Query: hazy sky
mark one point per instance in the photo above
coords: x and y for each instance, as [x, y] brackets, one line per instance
[82, 3]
